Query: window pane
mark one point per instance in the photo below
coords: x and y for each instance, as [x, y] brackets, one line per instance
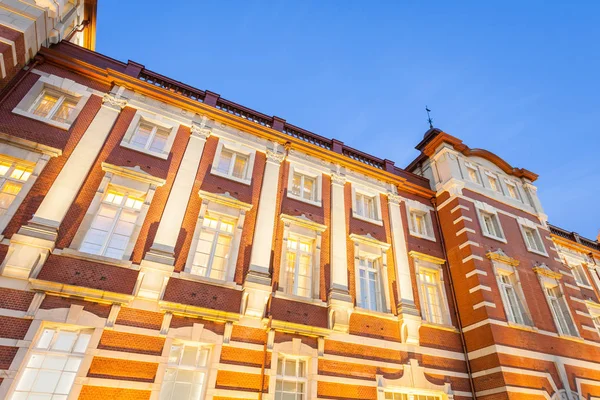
[296, 184]
[64, 341]
[141, 135]
[45, 104]
[66, 111]
[4, 167]
[309, 187]
[239, 168]
[159, 141]
[225, 161]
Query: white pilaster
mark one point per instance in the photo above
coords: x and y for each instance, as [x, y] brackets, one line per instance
[163, 248]
[260, 258]
[339, 235]
[63, 191]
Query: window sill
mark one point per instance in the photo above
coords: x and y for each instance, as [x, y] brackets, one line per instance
[585, 286]
[522, 327]
[150, 153]
[415, 234]
[293, 297]
[496, 238]
[60, 125]
[231, 178]
[537, 252]
[93, 257]
[312, 202]
[578, 339]
[210, 281]
[373, 313]
[367, 219]
[443, 327]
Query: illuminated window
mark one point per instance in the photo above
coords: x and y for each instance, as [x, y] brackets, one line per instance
[560, 311]
[490, 225]
[304, 187]
[431, 302]
[150, 137]
[578, 271]
[420, 224]
[186, 372]
[113, 224]
[533, 240]
[473, 174]
[214, 245]
[12, 177]
[299, 256]
[232, 163]
[513, 192]
[370, 295]
[55, 106]
[514, 304]
[409, 396]
[291, 379]
[52, 365]
[596, 319]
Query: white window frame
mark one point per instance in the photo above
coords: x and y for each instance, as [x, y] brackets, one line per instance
[228, 207]
[421, 263]
[157, 121]
[578, 271]
[491, 176]
[306, 172]
[363, 191]
[527, 224]
[177, 366]
[48, 351]
[281, 377]
[510, 183]
[236, 148]
[472, 167]
[369, 248]
[557, 317]
[414, 206]
[524, 318]
[408, 395]
[484, 229]
[58, 86]
[594, 310]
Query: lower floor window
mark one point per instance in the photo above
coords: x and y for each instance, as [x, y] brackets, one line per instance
[291, 379]
[185, 375]
[408, 396]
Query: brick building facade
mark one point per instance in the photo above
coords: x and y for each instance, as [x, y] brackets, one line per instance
[161, 242]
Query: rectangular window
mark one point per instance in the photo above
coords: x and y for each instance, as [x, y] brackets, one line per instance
[406, 396]
[12, 177]
[291, 379]
[491, 225]
[52, 366]
[304, 186]
[513, 303]
[299, 266]
[365, 206]
[420, 223]
[113, 224]
[533, 239]
[432, 297]
[473, 174]
[186, 372]
[596, 319]
[214, 245]
[55, 106]
[579, 274]
[150, 137]
[370, 285]
[232, 163]
[513, 192]
[494, 183]
[560, 310]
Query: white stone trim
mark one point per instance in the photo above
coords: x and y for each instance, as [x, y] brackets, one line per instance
[469, 243]
[310, 172]
[484, 304]
[474, 272]
[240, 149]
[153, 119]
[472, 257]
[375, 195]
[463, 230]
[480, 287]
[459, 207]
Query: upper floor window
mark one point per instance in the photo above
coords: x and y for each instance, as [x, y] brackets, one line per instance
[472, 173]
[490, 225]
[560, 311]
[369, 284]
[494, 182]
[214, 247]
[13, 175]
[298, 271]
[55, 106]
[52, 366]
[514, 303]
[366, 205]
[233, 161]
[291, 381]
[420, 224]
[150, 137]
[185, 375]
[431, 296]
[113, 224]
[533, 240]
[513, 192]
[304, 186]
[579, 274]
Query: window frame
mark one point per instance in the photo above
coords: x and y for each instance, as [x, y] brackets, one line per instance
[481, 214]
[525, 225]
[235, 148]
[505, 266]
[367, 194]
[177, 366]
[510, 183]
[578, 272]
[306, 172]
[293, 291]
[428, 265]
[158, 122]
[491, 176]
[472, 167]
[416, 207]
[565, 307]
[368, 248]
[281, 377]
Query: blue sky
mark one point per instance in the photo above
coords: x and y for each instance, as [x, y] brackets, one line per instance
[517, 78]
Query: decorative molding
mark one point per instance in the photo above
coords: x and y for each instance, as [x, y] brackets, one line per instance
[369, 240]
[426, 257]
[544, 270]
[114, 101]
[135, 173]
[394, 198]
[500, 256]
[200, 131]
[274, 156]
[64, 290]
[225, 199]
[303, 221]
[338, 179]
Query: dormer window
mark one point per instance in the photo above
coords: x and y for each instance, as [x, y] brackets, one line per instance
[513, 192]
[494, 183]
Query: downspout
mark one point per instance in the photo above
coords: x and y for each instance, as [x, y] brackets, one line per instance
[78, 28]
[454, 302]
[12, 86]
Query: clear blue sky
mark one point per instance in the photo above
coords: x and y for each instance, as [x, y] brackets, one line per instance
[517, 78]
